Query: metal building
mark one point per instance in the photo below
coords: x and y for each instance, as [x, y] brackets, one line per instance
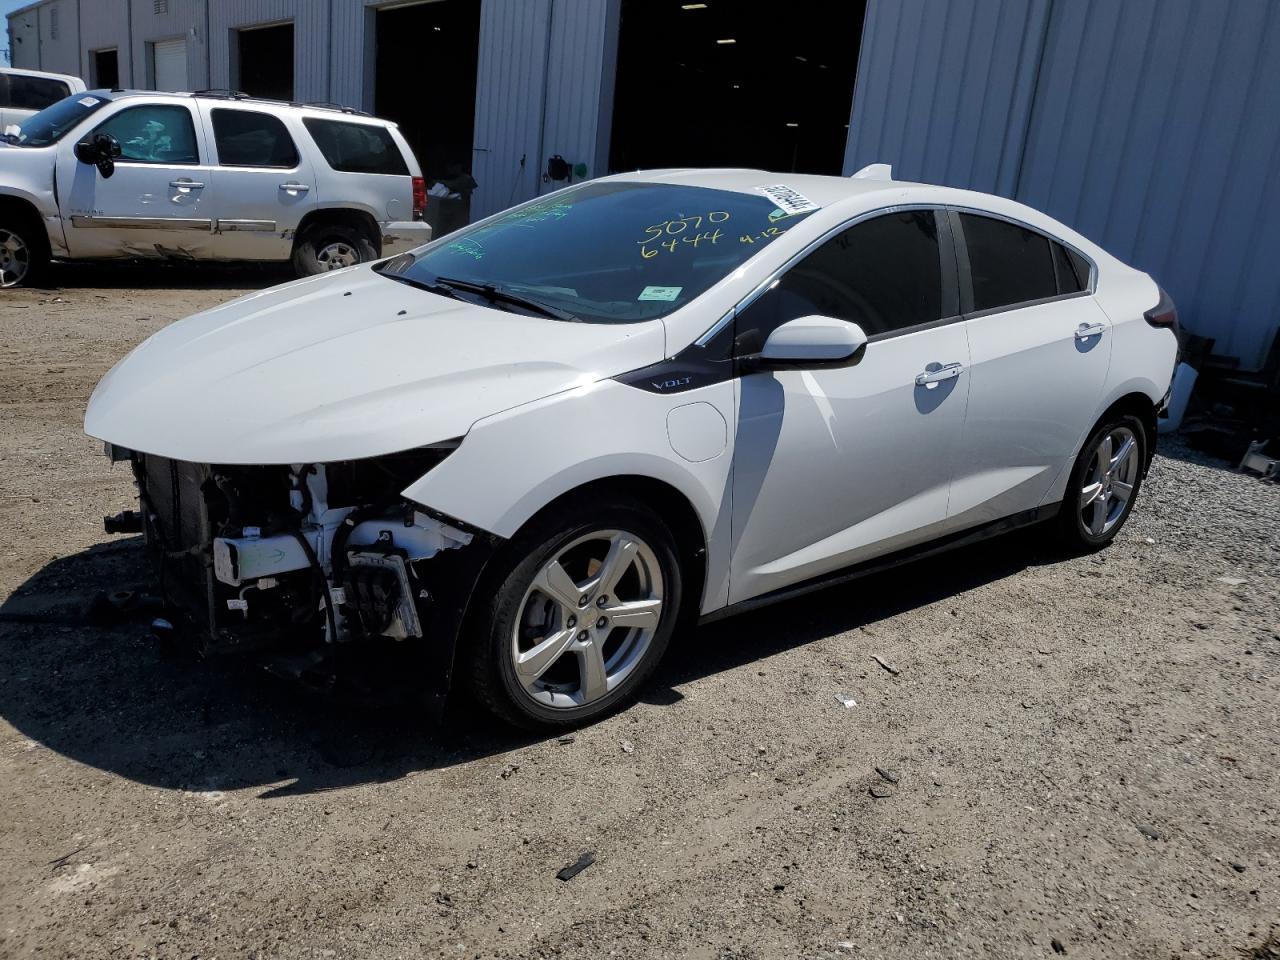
[1152, 126]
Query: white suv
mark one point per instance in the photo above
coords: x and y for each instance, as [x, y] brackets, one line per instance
[205, 176]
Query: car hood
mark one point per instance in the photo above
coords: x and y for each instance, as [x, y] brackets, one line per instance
[342, 366]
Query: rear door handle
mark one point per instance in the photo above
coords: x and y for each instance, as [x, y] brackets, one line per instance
[185, 184]
[1087, 330]
[946, 372]
[295, 187]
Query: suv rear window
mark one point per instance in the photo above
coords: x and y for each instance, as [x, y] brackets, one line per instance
[33, 93]
[356, 147]
[246, 138]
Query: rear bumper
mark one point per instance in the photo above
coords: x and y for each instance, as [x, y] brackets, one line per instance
[402, 235]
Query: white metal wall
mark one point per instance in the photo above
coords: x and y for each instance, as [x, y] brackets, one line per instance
[24, 39]
[310, 20]
[1151, 126]
[105, 24]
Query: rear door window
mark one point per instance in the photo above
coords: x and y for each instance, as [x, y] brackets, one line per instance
[1008, 263]
[884, 274]
[35, 93]
[154, 133]
[356, 147]
[247, 138]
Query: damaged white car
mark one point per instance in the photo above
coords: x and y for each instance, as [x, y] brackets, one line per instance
[521, 456]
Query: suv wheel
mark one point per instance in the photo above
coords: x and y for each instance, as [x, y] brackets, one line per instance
[21, 255]
[584, 609]
[1104, 483]
[326, 247]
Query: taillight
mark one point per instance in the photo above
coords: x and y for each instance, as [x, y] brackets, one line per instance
[1164, 313]
[419, 197]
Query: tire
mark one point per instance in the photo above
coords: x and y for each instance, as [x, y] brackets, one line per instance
[1098, 502]
[24, 253]
[331, 246]
[576, 663]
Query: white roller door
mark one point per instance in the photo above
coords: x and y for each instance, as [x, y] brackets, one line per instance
[169, 64]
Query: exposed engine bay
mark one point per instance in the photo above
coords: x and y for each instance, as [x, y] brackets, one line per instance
[300, 556]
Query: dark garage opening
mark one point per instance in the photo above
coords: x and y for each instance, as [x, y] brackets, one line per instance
[436, 109]
[266, 61]
[735, 83]
[106, 69]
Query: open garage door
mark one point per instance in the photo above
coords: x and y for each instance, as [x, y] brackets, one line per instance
[735, 83]
[436, 117]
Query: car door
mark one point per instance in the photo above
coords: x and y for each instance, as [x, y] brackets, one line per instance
[158, 200]
[265, 183]
[1040, 349]
[836, 465]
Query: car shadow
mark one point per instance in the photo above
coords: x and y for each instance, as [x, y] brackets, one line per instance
[117, 698]
[163, 275]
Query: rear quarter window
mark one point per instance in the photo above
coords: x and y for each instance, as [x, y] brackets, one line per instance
[356, 147]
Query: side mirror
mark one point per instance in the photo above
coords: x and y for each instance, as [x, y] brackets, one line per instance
[813, 341]
[100, 150]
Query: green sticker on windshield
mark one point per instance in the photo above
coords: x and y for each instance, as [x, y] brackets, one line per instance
[659, 293]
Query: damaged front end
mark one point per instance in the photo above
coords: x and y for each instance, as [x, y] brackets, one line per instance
[311, 563]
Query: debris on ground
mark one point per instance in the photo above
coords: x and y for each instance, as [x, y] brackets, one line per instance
[509, 771]
[568, 739]
[880, 793]
[846, 701]
[627, 746]
[575, 868]
[1149, 832]
[1233, 581]
[888, 666]
[1057, 945]
[887, 775]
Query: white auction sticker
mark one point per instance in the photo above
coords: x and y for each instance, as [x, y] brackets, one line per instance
[792, 201]
[88, 101]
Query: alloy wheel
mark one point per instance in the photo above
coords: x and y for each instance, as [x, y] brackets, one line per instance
[587, 620]
[1109, 481]
[336, 255]
[15, 258]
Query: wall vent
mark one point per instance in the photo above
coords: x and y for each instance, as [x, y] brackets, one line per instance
[161, 6]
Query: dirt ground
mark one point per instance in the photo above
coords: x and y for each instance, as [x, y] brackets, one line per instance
[1080, 755]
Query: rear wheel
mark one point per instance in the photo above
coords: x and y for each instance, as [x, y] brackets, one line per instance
[22, 254]
[582, 613]
[1104, 483]
[331, 246]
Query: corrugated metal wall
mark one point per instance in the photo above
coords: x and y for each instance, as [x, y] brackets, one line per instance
[24, 39]
[310, 20]
[1151, 126]
[105, 24]
[544, 86]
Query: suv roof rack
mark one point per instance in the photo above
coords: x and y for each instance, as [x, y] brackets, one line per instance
[222, 93]
[330, 105]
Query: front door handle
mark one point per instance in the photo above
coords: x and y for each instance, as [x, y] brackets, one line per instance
[946, 372]
[295, 187]
[185, 184]
[1087, 330]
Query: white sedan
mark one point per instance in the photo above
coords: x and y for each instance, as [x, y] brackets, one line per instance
[520, 458]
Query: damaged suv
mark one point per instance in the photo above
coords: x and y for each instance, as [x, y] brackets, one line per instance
[521, 456]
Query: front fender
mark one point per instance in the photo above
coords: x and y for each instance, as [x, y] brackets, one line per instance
[514, 463]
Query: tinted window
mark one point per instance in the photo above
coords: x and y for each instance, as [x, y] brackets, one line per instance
[249, 139]
[156, 133]
[356, 147]
[1081, 267]
[883, 274]
[609, 252]
[35, 93]
[1008, 263]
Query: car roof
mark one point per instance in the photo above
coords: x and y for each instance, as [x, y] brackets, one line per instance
[243, 99]
[823, 190]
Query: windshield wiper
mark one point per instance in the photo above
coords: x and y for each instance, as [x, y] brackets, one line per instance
[440, 288]
[500, 295]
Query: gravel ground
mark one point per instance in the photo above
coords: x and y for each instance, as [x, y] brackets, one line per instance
[1079, 755]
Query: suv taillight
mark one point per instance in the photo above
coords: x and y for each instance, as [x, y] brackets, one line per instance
[1164, 313]
[419, 197]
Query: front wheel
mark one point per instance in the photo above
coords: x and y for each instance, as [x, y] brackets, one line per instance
[22, 254]
[584, 609]
[1104, 483]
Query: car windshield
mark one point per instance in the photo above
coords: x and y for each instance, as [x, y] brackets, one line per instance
[52, 123]
[604, 252]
